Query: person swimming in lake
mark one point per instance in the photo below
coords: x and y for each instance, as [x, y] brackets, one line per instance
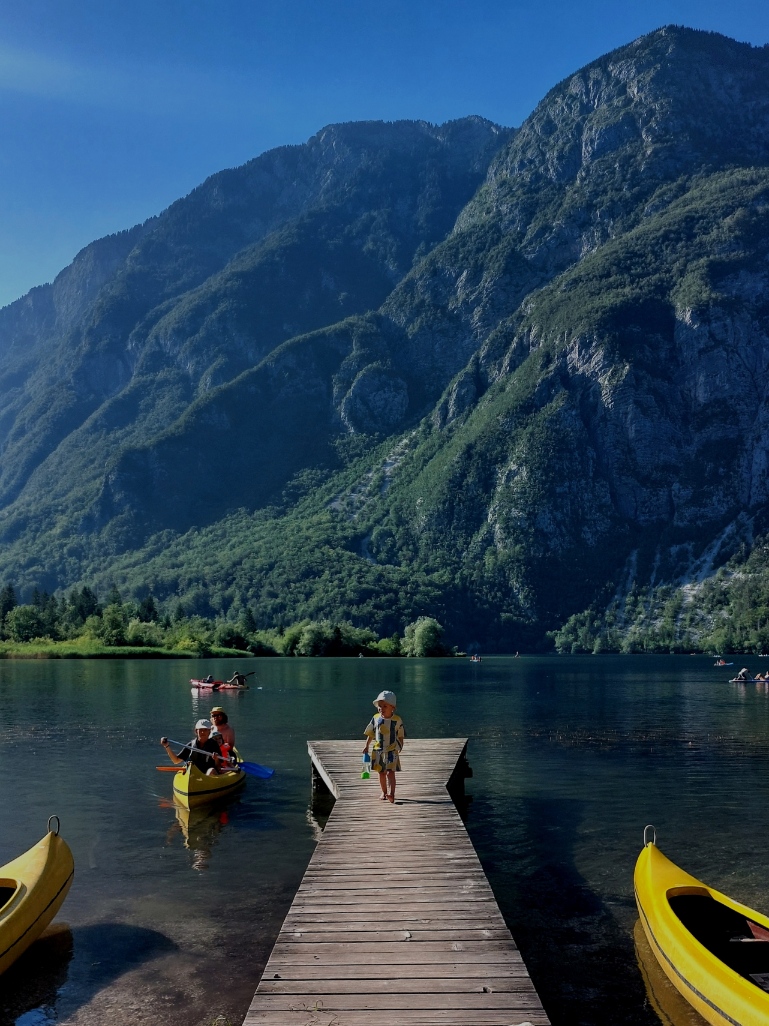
[387, 732]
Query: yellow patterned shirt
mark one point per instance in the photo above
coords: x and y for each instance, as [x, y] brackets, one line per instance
[388, 737]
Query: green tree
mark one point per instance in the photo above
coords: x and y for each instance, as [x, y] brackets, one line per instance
[144, 634]
[229, 635]
[148, 611]
[7, 601]
[23, 623]
[246, 621]
[423, 638]
[114, 625]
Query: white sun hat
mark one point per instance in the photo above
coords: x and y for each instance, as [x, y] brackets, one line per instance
[385, 696]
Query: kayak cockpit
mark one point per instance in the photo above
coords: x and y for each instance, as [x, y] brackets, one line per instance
[725, 932]
[8, 890]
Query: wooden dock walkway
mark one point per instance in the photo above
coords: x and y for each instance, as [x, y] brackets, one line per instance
[394, 923]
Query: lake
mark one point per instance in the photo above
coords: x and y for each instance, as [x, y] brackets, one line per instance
[172, 917]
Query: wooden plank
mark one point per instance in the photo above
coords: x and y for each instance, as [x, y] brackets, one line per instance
[374, 985]
[393, 951]
[432, 954]
[363, 1001]
[423, 971]
[420, 942]
[402, 929]
[404, 918]
[313, 934]
[311, 1015]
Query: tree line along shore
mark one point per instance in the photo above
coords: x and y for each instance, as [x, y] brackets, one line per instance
[79, 625]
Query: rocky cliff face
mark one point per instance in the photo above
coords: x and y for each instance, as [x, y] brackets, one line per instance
[623, 406]
[563, 329]
[146, 324]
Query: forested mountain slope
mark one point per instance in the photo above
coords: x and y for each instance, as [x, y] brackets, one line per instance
[489, 375]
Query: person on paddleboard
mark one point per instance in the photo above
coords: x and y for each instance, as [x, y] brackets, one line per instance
[196, 749]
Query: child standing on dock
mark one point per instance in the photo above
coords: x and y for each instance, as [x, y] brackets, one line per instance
[387, 733]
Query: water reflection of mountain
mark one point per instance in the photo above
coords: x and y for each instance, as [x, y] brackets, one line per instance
[670, 1006]
[86, 959]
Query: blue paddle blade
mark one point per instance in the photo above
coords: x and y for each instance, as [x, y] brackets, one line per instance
[253, 769]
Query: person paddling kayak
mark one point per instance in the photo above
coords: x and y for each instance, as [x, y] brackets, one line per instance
[239, 679]
[194, 751]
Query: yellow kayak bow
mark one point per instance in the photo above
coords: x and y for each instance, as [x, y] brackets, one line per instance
[713, 950]
[32, 890]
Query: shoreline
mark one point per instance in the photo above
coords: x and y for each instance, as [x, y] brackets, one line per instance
[64, 651]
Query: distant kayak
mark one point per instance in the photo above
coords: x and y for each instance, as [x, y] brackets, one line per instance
[217, 685]
[720, 662]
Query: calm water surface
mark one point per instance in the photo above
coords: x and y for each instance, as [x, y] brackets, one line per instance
[171, 918]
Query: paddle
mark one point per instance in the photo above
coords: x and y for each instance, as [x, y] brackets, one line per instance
[251, 769]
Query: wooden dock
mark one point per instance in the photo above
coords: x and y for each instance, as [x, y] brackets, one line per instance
[394, 923]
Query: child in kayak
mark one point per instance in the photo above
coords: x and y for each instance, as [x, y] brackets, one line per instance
[224, 749]
[387, 732]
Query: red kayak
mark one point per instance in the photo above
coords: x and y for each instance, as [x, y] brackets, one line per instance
[217, 685]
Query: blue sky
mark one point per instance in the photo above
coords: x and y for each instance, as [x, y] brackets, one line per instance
[111, 111]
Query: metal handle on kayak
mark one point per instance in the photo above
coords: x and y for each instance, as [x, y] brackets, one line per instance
[650, 826]
[58, 825]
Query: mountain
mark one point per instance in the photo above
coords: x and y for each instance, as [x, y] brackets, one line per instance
[495, 376]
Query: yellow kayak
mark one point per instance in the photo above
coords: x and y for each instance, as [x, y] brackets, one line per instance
[32, 889]
[191, 787]
[713, 950]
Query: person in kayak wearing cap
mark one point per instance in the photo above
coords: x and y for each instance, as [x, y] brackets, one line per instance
[221, 723]
[387, 732]
[194, 750]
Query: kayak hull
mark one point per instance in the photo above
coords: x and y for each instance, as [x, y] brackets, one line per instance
[720, 993]
[193, 788]
[32, 890]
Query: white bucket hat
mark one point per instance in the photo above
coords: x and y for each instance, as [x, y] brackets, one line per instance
[385, 696]
[203, 725]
